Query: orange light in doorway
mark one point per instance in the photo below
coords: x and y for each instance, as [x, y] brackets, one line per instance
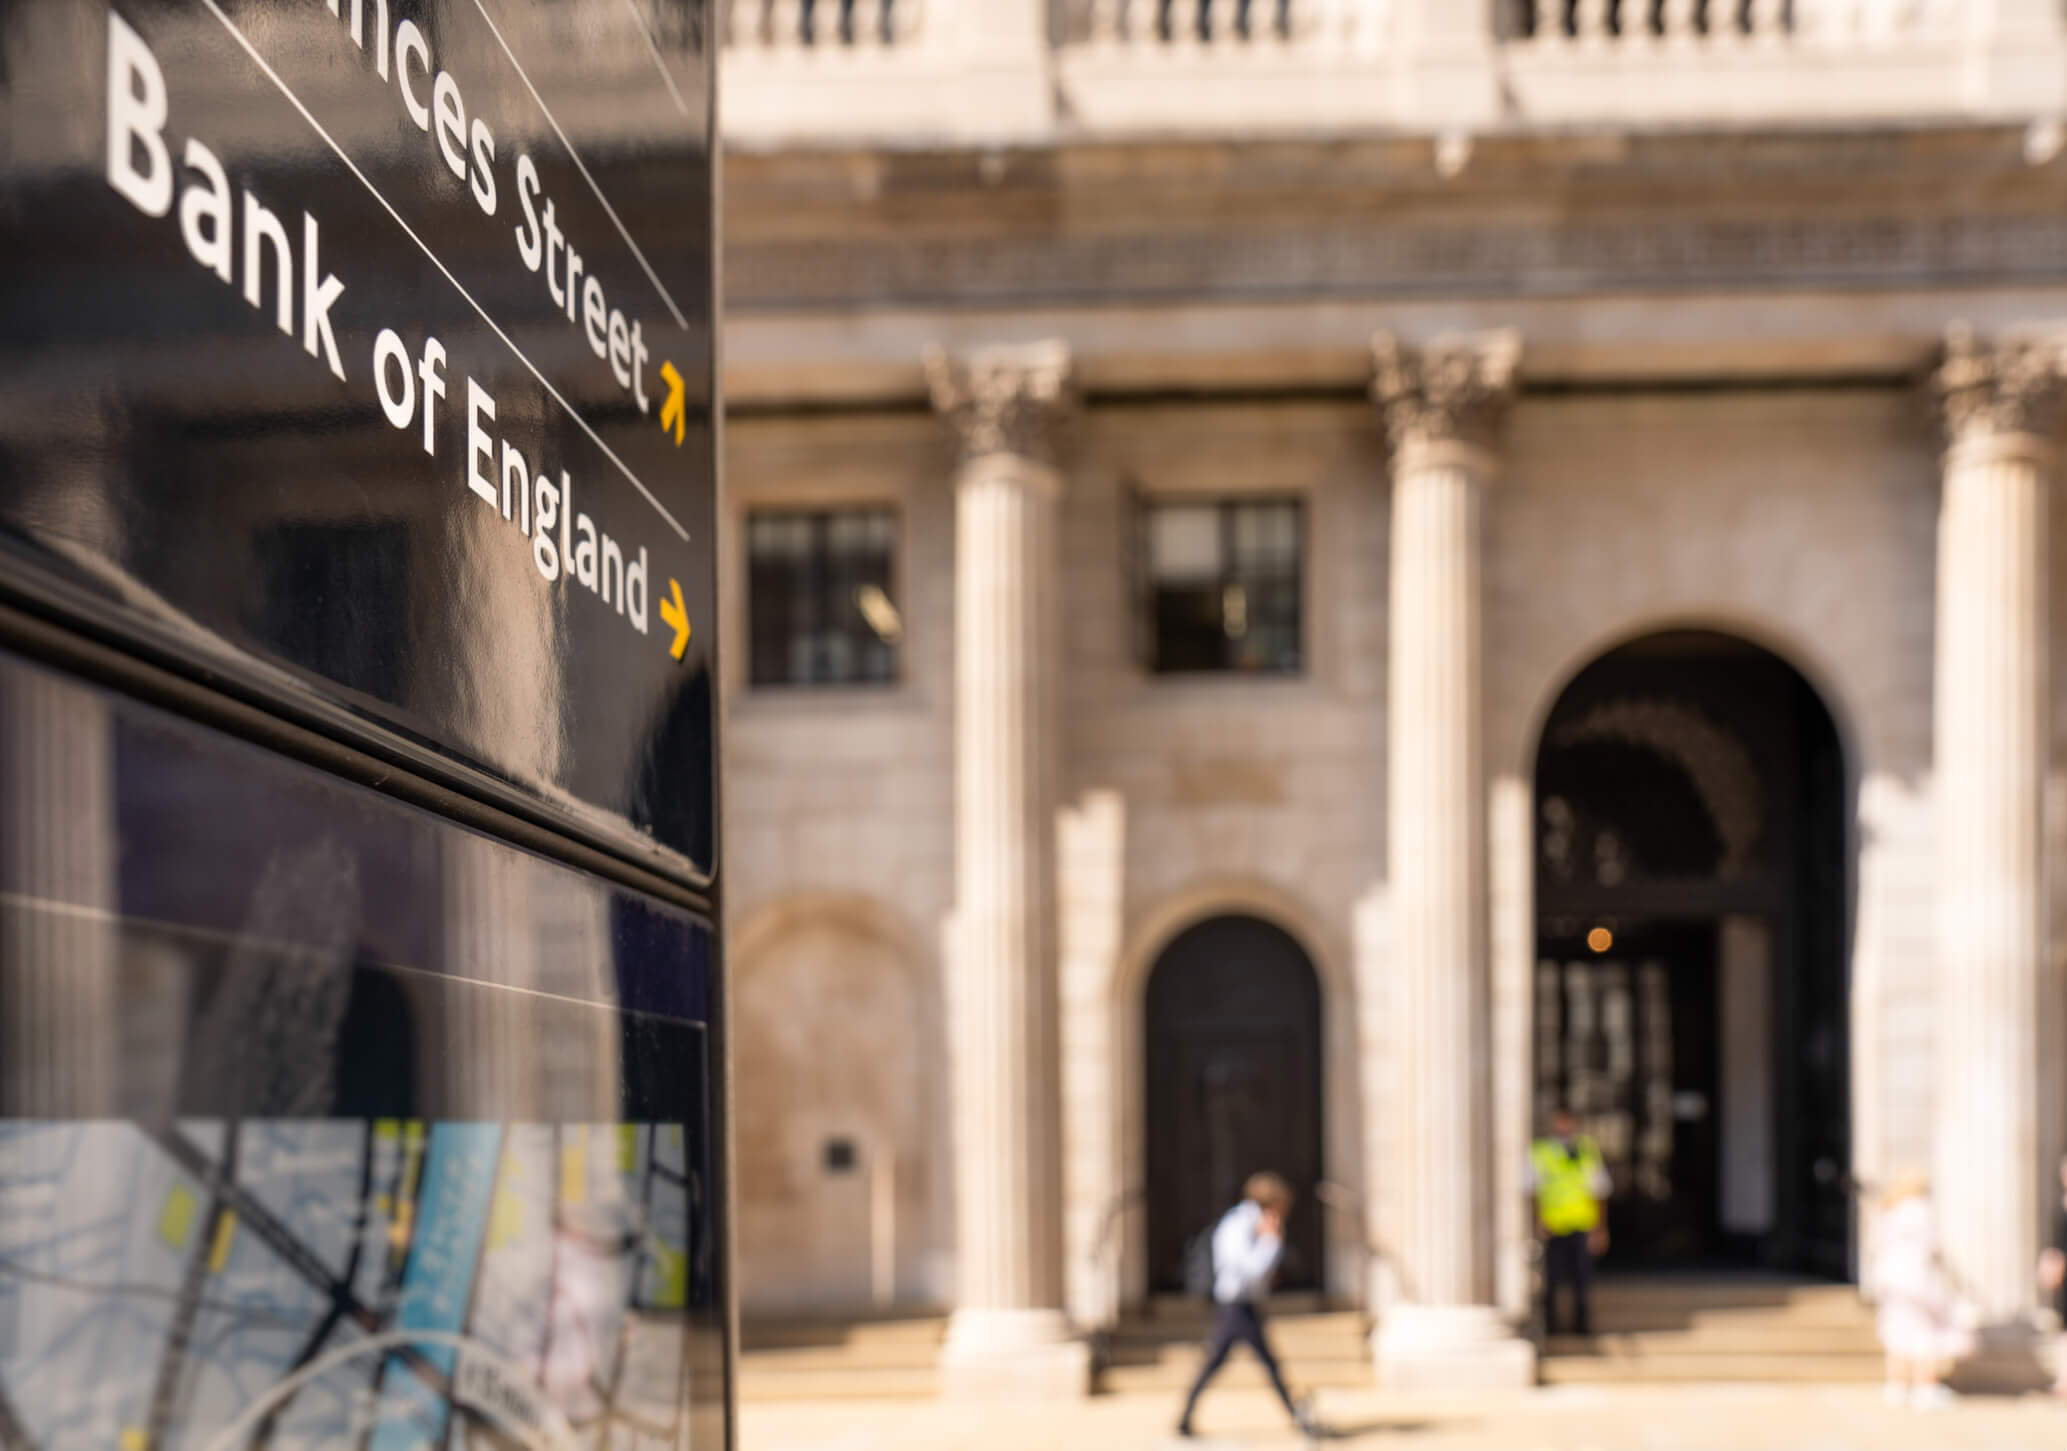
[1600, 939]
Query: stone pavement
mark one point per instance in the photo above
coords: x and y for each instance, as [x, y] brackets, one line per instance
[1558, 1418]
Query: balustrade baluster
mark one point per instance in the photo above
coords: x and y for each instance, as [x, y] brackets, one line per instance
[1767, 20]
[786, 25]
[1105, 21]
[865, 24]
[1590, 21]
[901, 21]
[1184, 23]
[1219, 22]
[1677, 20]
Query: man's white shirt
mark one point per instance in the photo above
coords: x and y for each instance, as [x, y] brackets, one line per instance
[1244, 1254]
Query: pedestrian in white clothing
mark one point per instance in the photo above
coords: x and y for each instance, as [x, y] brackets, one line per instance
[1918, 1316]
[1247, 1245]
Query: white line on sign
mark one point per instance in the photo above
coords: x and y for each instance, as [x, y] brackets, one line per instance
[579, 422]
[581, 166]
[647, 36]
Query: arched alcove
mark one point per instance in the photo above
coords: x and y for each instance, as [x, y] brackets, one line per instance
[834, 1134]
[1692, 904]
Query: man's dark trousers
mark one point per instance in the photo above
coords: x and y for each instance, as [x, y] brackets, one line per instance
[1239, 1322]
[1568, 1260]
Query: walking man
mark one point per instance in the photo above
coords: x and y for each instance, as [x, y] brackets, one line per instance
[1247, 1244]
[1570, 1183]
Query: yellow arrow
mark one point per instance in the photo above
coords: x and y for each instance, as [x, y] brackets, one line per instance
[672, 410]
[673, 613]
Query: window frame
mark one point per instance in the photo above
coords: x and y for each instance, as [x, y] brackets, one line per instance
[1226, 506]
[821, 513]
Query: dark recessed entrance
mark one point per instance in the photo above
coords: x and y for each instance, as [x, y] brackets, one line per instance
[1691, 1001]
[1233, 1067]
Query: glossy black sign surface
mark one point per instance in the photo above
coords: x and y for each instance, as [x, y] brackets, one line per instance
[326, 1122]
[356, 356]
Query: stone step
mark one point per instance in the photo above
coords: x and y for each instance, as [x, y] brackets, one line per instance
[1729, 1321]
[1722, 1291]
[1285, 1330]
[1720, 1328]
[1298, 1302]
[1582, 1369]
[1160, 1352]
[1861, 1341]
[1835, 1316]
[1172, 1374]
[770, 1334]
[1141, 1351]
[880, 1355]
[1793, 1334]
[869, 1355]
[875, 1383]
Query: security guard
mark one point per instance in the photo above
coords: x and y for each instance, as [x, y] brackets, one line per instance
[1569, 1182]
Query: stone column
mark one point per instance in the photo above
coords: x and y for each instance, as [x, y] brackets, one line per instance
[59, 1025]
[484, 1051]
[1098, 1213]
[1009, 1334]
[2002, 403]
[1442, 407]
[61, 1054]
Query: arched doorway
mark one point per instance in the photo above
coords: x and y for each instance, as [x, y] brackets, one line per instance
[1692, 913]
[834, 1151]
[1233, 1062]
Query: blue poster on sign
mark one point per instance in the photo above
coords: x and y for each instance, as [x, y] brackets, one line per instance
[438, 1282]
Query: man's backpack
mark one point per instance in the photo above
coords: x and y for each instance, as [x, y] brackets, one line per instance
[1198, 1264]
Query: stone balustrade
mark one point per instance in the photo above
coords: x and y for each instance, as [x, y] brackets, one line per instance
[836, 72]
[1227, 27]
[796, 27]
[1730, 22]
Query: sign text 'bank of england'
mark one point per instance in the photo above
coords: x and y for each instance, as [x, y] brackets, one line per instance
[395, 222]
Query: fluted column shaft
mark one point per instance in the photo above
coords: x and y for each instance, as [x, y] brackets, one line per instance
[1437, 856]
[1006, 1085]
[58, 1049]
[1002, 989]
[1442, 406]
[1992, 737]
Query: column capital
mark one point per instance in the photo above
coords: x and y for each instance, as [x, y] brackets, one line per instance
[1004, 399]
[1447, 394]
[2003, 392]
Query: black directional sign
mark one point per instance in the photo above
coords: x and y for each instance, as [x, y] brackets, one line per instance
[356, 356]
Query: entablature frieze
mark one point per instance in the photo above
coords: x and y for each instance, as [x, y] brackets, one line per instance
[1375, 219]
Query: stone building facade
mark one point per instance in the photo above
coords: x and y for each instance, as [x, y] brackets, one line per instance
[1664, 401]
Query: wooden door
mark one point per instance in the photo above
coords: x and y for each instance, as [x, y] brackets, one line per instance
[1234, 1087]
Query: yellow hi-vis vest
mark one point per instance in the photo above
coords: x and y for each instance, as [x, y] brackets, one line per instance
[1564, 1185]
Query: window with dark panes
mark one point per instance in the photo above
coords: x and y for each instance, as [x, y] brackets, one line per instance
[821, 603]
[1225, 579]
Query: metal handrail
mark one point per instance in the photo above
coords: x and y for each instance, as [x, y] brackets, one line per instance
[1115, 1207]
[1349, 1203]
[1102, 1248]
